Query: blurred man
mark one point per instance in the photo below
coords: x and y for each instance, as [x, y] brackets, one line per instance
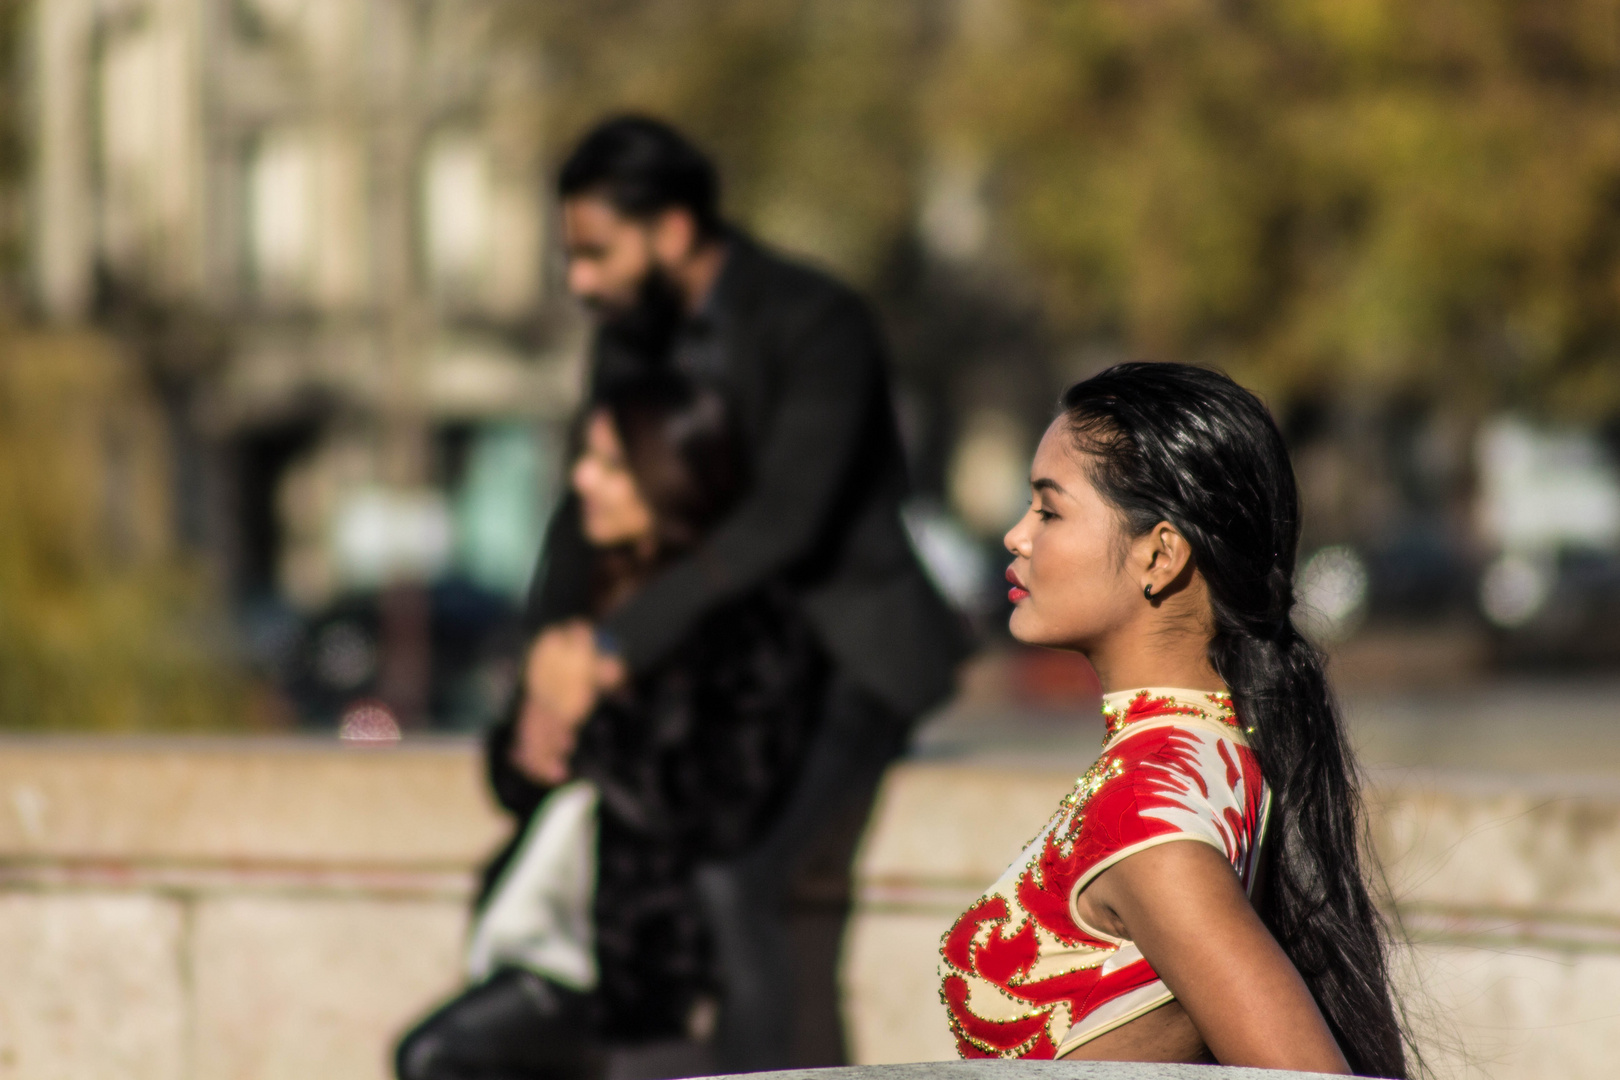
[799, 359]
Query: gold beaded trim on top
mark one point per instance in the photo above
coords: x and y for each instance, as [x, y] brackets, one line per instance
[1092, 781]
[1116, 719]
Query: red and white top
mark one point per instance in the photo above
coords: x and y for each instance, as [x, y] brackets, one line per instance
[1022, 974]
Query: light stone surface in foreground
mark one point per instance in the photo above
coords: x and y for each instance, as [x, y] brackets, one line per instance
[229, 909]
[91, 986]
[1033, 1070]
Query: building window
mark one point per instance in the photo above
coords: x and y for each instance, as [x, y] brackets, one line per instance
[456, 214]
[146, 147]
[281, 182]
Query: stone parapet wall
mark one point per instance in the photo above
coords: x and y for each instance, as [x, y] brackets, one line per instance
[206, 910]
[263, 909]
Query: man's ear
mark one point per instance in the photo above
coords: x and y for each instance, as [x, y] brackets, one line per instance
[674, 235]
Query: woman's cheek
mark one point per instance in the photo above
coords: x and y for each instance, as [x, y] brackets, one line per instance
[1067, 607]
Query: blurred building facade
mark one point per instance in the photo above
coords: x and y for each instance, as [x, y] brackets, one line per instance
[322, 229]
[320, 225]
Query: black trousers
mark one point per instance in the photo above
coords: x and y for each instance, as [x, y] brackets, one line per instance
[514, 1025]
[518, 1026]
[768, 988]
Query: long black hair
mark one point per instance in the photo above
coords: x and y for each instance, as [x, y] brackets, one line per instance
[1168, 442]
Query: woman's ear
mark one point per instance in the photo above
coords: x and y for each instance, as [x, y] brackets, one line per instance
[1160, 557]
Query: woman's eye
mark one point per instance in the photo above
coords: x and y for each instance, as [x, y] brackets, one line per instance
[1044, 514]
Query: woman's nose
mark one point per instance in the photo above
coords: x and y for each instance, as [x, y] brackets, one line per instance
[1014, 540]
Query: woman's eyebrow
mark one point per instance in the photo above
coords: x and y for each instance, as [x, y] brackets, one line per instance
[1046, 484]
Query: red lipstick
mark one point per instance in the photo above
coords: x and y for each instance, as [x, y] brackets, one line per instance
[1018, 591]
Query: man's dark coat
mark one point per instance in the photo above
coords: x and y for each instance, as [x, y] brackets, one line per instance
[800, 360]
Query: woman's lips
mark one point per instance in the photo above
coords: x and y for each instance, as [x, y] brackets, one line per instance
[1017, 592]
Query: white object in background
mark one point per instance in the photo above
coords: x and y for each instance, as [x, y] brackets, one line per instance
[381, 535]
[1514, 589]
[1540, 490]
[954, 560]
[955, 217]
[539, 916]
[1331, 594]
[988, 479]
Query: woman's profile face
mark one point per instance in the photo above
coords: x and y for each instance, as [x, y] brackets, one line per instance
[613, 510]
[1068, 575]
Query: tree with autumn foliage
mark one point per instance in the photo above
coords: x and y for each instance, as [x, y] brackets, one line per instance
[1414, 197]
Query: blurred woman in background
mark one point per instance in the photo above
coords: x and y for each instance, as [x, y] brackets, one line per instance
[590, 930]
[1160, 543]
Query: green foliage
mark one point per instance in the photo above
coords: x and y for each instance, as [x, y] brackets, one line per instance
[1419, 195]
[1405, 195]
[102, 627]
[808, 104]
[13, 220]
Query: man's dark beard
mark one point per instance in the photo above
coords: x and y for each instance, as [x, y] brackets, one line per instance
[649, 326]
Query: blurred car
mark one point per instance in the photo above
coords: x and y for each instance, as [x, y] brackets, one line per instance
[335, 658]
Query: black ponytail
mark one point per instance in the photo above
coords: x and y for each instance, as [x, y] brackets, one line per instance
[1181, 444]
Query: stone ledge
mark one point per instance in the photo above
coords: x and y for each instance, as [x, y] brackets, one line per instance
[246, 802]
[279, 908]
[37, 874]
[1033, 1070]
[1486, 853]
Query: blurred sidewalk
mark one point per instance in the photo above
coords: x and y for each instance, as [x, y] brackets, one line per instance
[1414, 700]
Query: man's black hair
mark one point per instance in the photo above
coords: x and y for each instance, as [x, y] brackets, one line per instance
[643, 167]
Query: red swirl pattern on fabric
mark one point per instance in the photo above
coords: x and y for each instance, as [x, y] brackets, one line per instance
[1018, 962]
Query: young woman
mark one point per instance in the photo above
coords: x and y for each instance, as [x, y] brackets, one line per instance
[1160, 543]
[590, 930]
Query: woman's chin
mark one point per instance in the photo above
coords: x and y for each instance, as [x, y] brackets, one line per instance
[1026, 628]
